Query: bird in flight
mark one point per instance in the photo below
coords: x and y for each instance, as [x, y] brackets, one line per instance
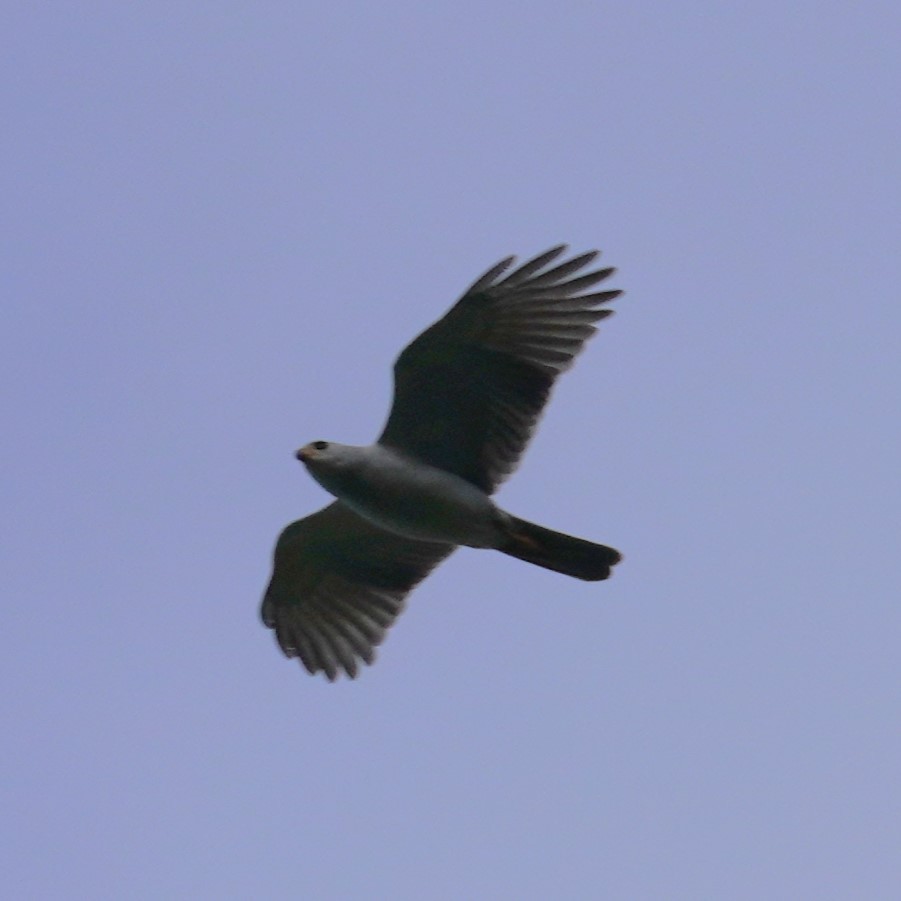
[468, 393]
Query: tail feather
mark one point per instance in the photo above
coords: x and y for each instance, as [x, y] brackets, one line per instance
[562, 553]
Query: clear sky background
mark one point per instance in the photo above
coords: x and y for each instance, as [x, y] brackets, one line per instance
[222, 221]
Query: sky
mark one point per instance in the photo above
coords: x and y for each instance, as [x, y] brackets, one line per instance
[220, 224]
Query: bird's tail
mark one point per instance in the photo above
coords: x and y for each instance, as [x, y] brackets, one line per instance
[562, 553]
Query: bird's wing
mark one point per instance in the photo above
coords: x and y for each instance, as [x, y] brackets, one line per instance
[469, 390]
[337, 585]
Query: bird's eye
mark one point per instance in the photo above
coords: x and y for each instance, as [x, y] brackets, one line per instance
[320, 445]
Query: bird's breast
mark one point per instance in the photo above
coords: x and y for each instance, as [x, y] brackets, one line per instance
[406, 496]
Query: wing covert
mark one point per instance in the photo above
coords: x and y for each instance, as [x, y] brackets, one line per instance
[469, 390]
[338, 584]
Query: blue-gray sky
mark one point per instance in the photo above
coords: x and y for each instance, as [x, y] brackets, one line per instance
[221, 222]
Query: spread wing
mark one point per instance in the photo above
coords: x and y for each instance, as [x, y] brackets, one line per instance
[337, 585]
[469, 390]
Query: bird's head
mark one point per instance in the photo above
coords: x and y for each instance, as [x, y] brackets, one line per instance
[315, 451]
[331, 464]
[323, 459]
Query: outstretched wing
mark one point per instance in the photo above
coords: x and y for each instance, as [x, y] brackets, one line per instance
[469, 390]
[337, 585]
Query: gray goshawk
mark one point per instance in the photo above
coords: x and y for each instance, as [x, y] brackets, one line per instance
[468, 393]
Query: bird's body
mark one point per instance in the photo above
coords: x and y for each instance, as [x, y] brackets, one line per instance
[403, 495]
[468, 394]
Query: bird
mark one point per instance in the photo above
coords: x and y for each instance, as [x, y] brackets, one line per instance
[468, 394]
